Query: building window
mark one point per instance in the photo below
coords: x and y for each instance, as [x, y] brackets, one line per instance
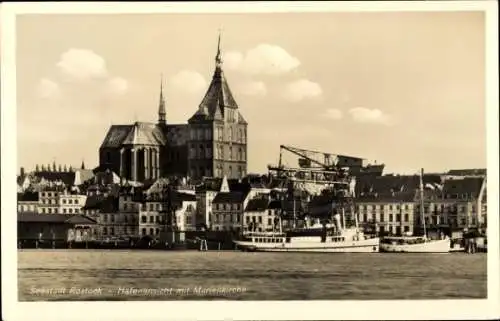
[144, 219]
[63, 201]
[143, 231]
[112, 231]
[64, 211]
[105, 231]
[157, 231]
[390, 217]
[151, 219]
[407, 219]
[151, 231]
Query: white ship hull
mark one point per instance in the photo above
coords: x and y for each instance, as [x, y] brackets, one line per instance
[361, 246]
[430, 246]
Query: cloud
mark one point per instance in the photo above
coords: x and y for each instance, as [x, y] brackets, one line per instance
[263, 59]
[48, 88]
[117, 85]
[253, 88]
[302, 89]
[373, 116]
[333, 113]
[82, 64]
[188, 81]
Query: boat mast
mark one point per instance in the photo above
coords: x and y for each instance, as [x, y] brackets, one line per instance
[294, 213]
[422, 201]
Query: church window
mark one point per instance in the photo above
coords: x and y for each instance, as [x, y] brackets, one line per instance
[200, 134]
[208, 134]
[240, 154]
[230, 153]
[221, 133]
[230, 134]
[209, 152]
[240, 138]
[240, 171]
[230, 174]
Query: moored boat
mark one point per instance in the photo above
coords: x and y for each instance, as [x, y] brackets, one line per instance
[317, 238]
[414, 244]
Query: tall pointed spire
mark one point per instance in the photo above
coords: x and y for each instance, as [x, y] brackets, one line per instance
[83, 165]
[162, 115]
[218, 57]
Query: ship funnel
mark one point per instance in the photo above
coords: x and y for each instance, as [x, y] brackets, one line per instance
[336, 217]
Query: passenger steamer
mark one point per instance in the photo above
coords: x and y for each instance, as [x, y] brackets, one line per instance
[316, 238]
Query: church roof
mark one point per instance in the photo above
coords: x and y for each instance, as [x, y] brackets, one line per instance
[138, 133]
[217, 97]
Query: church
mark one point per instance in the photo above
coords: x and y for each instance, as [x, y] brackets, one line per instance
[213, 143]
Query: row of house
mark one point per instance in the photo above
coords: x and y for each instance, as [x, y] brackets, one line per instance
[386, 204]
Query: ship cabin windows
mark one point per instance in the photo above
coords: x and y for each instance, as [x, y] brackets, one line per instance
[338, 239]
[268, 239]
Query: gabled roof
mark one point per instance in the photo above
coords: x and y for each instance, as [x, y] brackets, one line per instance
[27, 197]
[467, 172]
[229, 197]
[392, 183]
[217, 97]
[257, 205]
[139, 133]
[275, 204]
[29, 217]
[67, 178]
[470, 186]
[400, 197]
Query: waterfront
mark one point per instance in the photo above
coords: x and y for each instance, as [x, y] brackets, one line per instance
[191, 275]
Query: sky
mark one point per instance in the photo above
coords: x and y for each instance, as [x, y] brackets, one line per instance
[406, 89]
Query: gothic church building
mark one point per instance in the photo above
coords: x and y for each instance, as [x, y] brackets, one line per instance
[212, 144]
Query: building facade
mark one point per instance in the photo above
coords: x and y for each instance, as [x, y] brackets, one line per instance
[57, 201]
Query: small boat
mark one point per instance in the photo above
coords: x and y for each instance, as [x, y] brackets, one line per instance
[416, 244]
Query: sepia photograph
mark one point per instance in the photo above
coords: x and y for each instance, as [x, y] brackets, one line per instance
[227, 153]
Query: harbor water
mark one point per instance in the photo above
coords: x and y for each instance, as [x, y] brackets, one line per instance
[51, 275]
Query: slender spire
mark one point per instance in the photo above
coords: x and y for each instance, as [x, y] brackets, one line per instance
[83, 164]
[218, 57]
[162, 119]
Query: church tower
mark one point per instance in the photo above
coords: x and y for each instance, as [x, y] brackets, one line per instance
[217, 144]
